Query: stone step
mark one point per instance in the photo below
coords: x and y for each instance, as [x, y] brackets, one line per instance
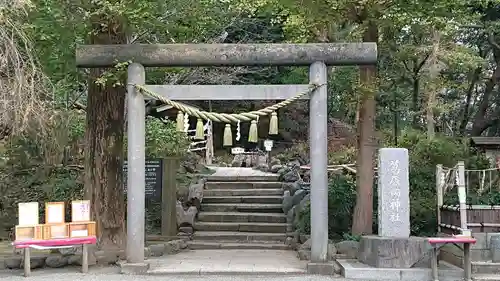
[242, 207]
[243, 199]
[242, 192]
[241, 217]
[257, 245]
[238, 236]
[241, 226]
[242, 185]
[482, 267]
[242, 177]
[486, 277]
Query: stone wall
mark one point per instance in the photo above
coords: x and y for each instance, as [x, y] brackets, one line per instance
[480, 252]
[73, 256]
[296, 196]
[251, 160]
[187, 208]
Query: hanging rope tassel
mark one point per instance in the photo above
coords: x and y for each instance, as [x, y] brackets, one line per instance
[228, 136]
[273, 124]
[186, 123]
[180, 121]
[238, 133]
[253, 134]
[200, 132]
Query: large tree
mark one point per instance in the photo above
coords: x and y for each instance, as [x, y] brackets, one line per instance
[104, 137]
[122, 22]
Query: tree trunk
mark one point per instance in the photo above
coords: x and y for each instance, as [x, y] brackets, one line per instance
[104, 151]
[468, 100]
[481, 121]
[363, 212]
[415, 104]
[432, 84]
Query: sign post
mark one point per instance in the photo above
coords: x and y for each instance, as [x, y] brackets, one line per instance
[153, 179]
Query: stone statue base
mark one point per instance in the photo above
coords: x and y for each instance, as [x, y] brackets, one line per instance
[392, 252]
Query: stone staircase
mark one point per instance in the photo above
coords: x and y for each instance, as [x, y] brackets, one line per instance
[241, 212]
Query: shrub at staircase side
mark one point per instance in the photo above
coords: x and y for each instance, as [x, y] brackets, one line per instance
[341, 199]
[163, 140]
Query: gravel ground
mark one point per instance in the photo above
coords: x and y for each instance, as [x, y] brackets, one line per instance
[111, 274]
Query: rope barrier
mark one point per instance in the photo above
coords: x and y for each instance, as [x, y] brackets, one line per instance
[484, 170]
[226, 117]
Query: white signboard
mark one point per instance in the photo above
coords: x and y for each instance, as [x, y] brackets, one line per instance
[268, 144]
[237, 150]
[79, 233]
[54, 212]
[80, 210]
[28, 214]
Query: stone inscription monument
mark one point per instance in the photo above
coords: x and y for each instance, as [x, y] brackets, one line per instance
[393, 193]
[393, 247]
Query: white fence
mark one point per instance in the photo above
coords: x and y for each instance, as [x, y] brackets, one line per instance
[203, 145]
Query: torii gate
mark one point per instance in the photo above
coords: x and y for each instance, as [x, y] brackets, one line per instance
[316, 56]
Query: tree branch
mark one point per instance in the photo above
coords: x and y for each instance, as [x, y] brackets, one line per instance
[491, 40]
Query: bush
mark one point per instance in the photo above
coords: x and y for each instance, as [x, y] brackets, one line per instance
[300, 152]
[163, 140]
[341, 200]
[35, 168]
[425, 154]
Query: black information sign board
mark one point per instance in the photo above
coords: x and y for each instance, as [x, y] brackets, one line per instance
[154, 178]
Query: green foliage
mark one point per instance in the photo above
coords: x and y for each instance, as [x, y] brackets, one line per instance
[425, 154]
[336, 155]
[351, 237]
[115, 76]
[405, 42]
[473, 198]
[39, 170]
[299, 151]
[163, 140]
[37, 184]
[341, 200]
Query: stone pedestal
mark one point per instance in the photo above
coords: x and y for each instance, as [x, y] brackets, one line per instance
[392, 252]
[325, 268]
[134, 268]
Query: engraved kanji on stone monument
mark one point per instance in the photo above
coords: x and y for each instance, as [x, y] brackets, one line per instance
[393, 193]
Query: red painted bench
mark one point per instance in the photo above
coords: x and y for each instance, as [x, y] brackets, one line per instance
[438, 242]
[55, 244]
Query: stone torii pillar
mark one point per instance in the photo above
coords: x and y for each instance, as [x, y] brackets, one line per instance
[316, 56]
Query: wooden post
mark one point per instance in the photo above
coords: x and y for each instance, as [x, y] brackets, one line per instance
[209, 146]
[439, 193]
[169, 197]
[462, 195]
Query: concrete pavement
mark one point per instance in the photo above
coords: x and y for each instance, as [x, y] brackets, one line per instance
[229, 262]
